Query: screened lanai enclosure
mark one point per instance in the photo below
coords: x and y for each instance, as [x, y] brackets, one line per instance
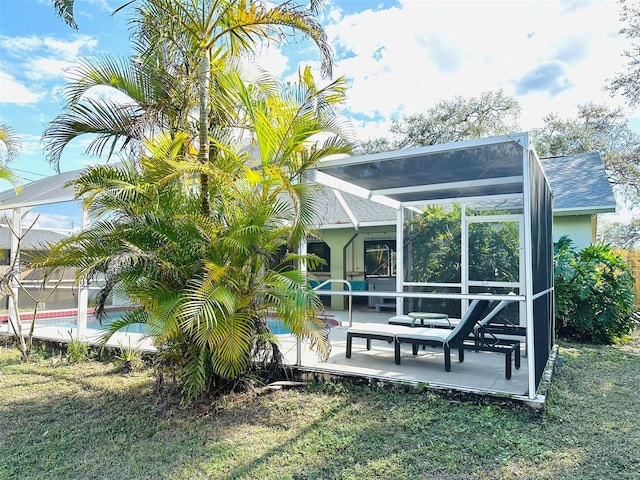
[59, 301]
[473, 221]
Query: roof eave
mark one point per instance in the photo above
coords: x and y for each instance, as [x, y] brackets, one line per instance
[564, 212]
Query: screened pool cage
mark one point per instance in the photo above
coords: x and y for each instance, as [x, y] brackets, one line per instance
[59, 296]
[473, 219]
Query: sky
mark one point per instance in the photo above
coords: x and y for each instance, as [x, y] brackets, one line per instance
[399, 57]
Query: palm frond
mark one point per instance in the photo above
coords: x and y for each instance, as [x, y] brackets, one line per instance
[111, 123]
[64, 9]
[12, 144]
[121, 75]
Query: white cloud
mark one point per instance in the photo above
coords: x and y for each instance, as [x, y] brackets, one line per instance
[273, 60]
[551, 56]
[15, 92]
[46, 68]
[49, 221]
[40, 58]
[31, 144]
[69, 49]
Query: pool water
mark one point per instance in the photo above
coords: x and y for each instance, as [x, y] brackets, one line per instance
[93, 324]
[275, 325]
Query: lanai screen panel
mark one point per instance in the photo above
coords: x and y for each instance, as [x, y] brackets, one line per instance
[542, 258]
[432, 173]
[41, 192]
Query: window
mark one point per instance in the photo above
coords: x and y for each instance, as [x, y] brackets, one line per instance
[321, 250]
[380, 258]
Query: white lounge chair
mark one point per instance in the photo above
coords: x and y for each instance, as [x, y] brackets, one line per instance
[373, 331]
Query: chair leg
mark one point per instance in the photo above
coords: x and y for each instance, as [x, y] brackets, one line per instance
[414, 348]
[397, 352]
[349, 340]
[461, 355]
[368, 344]
[447, 358]
[507, 366]
[518, 355]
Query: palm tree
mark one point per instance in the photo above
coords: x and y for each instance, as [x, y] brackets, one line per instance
[12, 146]
[205, 284]
[192, 228]
[178, 45]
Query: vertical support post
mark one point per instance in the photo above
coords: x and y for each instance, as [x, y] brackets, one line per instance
[14, 259]
[528, 266]
[83, 291]
[302, 250]
[400, 259]
[464, 256]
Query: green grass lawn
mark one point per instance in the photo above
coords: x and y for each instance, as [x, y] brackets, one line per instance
[86, 421]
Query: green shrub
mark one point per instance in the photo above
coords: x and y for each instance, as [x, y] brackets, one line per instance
[77, 351]
[593, 293]
[128, 359]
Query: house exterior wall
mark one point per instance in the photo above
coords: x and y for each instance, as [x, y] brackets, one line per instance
[577, 227]
[348, 262]
[347, 254]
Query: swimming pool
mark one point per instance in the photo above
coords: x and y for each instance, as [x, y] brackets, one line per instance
[93, 323]
[276, 325]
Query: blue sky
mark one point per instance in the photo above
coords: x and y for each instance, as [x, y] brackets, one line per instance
[400, 57]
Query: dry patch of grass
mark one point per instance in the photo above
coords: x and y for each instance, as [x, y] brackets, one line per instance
[70, 421]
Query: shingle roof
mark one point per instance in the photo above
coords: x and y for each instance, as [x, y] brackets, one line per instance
[578, 181]
[33, 239]
[579, 184]
[331, 214]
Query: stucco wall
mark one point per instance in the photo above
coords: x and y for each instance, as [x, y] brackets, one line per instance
[347, 253]
[351, 258]
[576, 227]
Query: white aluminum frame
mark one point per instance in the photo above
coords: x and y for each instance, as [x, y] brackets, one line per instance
[381, 196]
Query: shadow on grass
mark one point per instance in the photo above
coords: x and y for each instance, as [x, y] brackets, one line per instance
[78, 422]
[72, 426]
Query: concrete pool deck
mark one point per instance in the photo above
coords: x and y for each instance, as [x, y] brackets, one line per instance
[481, 372]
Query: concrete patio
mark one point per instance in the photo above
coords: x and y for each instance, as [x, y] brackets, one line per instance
[481, 372]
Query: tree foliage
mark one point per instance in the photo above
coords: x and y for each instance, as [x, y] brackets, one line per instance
[624, 235]
[492, 113]
[594, 294]
[435, 254]
[205, 283]
[596, 128]
[183, 50]
[64, 9]
[12, 146]
[627, 83]
[191, 228]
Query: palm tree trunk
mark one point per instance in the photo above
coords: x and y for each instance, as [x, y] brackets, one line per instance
[203, 149]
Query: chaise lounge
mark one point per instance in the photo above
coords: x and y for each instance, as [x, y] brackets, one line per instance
[390, 332]
[464, 337]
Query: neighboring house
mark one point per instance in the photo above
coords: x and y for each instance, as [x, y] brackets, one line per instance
[350, 226]
[32, 241]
